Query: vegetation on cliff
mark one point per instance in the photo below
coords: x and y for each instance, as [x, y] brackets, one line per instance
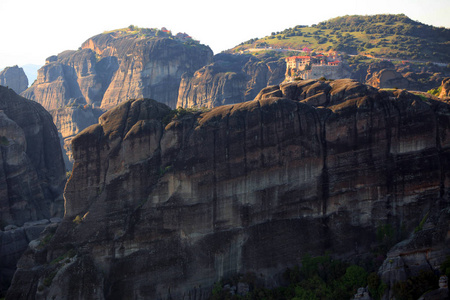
[392, 36]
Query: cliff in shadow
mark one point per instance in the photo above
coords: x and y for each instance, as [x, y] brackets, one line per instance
[162, 204]
[32, 176]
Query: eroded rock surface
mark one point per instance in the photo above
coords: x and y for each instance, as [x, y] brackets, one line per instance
[164, 211]
[32, 176]
[70, 121]
[445, 91]
[425, 250]
[114, 67]
[14, 78]
[388, 78]
[229, 79]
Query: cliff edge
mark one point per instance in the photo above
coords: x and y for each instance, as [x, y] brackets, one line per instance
[162, 203]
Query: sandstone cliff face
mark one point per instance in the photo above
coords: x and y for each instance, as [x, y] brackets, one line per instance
[384, 74]
[13, 243]
[32, 176]
[70, 121]
[163, 211]
[229, 79]
[425, 250]
[387, 78]
[69, 77]
[114, 67]
[14, 78]
[445, 92]
[109, 69]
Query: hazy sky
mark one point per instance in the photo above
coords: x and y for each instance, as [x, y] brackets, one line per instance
[32, 30]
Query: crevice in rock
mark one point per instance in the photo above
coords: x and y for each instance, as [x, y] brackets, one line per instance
[325, 180]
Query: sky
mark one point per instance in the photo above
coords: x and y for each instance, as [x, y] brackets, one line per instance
[31, 31]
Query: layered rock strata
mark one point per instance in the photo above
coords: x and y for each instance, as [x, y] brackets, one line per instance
[229, 79]
[32, 175]
[388, 78]
[14, 78]
[117, 66]
[163, 209]
[425, 250]
[70, 121]
[13, 243]
[108, 69]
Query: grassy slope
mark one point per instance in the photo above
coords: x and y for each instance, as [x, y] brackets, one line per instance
[391, 36]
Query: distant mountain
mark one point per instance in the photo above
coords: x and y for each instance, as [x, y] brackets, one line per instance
[390, 36]
[118, 65]
[14, 78]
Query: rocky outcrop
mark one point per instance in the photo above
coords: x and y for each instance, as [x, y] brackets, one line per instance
[424, 251]
[116, 66]
[14, 78]
[32, 175]
[159, 208]
[111, 68]
[72, 77]
[406, 75]
[445, 90]
[13, 243]
[388, 78]
[70, 121]
[229, 79]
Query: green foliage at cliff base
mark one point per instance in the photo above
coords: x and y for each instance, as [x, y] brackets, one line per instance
[318, 278]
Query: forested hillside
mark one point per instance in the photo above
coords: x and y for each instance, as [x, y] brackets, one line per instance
[390, 36]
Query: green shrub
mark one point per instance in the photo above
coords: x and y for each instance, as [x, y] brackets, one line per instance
[4, 141]
[77, 220]
[436, 92]
[445, 267]
[420, 227]
[48, 280]
[416, 286]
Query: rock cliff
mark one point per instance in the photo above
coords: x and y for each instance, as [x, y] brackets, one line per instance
[159, 208]
[70, 121]
[14, 78]
[423, 251]
[32, 175]
[113, 67]
[13, 243]
[445, 88]
[388, 78]
[229, 79]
